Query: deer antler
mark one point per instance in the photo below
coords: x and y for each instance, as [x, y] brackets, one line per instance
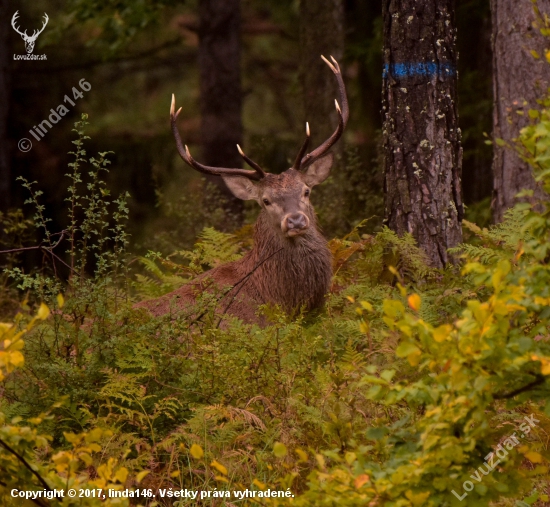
[38, 32]
[343, 115]
[256, 175]
[298, 161]
[16, 28]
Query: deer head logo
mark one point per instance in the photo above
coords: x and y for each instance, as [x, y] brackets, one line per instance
[29, 39]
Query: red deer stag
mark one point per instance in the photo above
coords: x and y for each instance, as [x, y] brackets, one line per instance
[290, 263]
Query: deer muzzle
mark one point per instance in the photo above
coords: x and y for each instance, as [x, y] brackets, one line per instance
[295, 224]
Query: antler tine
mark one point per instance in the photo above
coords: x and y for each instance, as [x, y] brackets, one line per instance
[298, 161]
[343, 115]
[16, 28]
[251, 162]
[46, 19]
[36, 33]
[189, 160]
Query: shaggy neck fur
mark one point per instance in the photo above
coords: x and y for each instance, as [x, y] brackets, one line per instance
[290, 272]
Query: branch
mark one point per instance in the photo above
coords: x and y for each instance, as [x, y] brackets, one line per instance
[25, 462]
[46, 249]
[37, 501]
[539, 379]
[36, 247]
[242, 280]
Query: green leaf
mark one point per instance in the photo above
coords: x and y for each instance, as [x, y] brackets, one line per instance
[279, 450]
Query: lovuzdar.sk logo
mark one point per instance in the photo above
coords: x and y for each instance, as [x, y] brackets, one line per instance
[29, 39]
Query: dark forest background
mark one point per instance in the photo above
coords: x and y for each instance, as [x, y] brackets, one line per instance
[136, 59]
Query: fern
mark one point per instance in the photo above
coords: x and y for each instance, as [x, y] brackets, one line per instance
[498, 242]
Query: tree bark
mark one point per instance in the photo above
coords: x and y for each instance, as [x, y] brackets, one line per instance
[321, 33]
[5, 173]
[422, 148]
[518, 81]
[221, 95]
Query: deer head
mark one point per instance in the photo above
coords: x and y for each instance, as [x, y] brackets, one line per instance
[29, 39]
[283, 197]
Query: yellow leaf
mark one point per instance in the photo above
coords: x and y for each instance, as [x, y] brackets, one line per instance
[71, 438]
[94, 435]
[5, 327]
[363, 327]
[86, 458]
[350, 457]
[414, 302]
[175, 473]
[360, 480]
[219, 467]
[417, 498]
[121, 475]
[393, 308]
[351, 299]
[414, 358]
[43, 312]
[302, 455]
[402, 289]
[534, 457]
[60, 300]
[140, 476]
[535, 54]
[196, 451]
[367, 306]
[320, 461]
[16, 358]
[279, 450]
[442, 332]
[544, 364]
[259, 484]
[220, 478]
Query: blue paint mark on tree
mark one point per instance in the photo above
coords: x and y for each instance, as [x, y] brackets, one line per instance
[428, 69]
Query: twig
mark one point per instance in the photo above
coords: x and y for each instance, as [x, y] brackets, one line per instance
[242, 280]
[36, 247]
[539, 379]
[37, 501]
[25, 462]
[46, 249]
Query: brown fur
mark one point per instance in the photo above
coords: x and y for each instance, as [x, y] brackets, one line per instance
[292, 272]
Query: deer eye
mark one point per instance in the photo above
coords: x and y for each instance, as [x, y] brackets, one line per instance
[306, 193]
[266, 202]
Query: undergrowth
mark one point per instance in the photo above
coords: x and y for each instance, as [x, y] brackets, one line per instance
[393, 395]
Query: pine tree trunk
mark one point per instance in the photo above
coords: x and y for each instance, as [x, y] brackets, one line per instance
[518, 81]
[422, 148]
[221, 94]
[5, 174]
[322, 33]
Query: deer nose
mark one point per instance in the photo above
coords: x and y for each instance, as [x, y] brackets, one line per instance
[295, 223]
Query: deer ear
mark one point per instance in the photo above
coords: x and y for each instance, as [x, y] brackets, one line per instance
[318, 171]
[241, 187]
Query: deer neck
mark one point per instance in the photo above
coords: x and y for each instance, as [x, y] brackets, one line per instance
[290, 272]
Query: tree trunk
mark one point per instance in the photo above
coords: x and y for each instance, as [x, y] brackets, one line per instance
[518, 80]
[221, 95]
[421, 136]
[5, 174]
[322, 33]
